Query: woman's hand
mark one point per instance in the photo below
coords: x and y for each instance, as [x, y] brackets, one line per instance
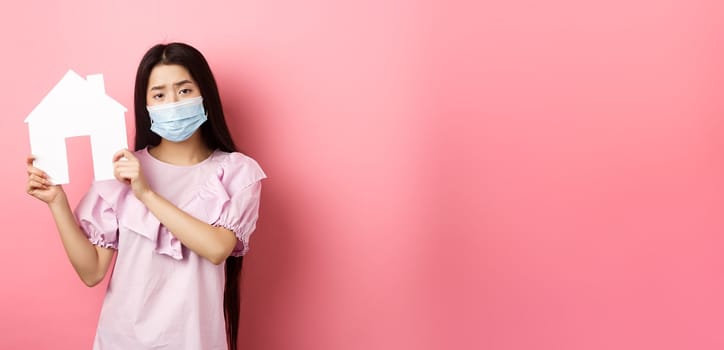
[39, 186]
[127, 169]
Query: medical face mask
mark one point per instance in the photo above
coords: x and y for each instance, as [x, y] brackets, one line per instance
[179, 120]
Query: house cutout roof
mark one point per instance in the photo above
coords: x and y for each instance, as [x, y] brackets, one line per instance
[76, 107]
[73, 99]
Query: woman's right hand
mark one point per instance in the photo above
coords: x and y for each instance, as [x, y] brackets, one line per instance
[39, 186]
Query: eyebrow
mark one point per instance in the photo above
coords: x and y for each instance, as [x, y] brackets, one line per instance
[176, 84]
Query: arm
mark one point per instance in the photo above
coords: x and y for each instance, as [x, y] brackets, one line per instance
[89, 261]
[212, 243]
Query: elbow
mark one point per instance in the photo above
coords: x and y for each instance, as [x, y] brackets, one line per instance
[91, 281]
[221, 250]
[219, 256]
[217, 259]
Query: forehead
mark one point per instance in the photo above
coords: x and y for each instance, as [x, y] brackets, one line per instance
[168, 74]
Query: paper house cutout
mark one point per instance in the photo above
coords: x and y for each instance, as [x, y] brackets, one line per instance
[76, 107]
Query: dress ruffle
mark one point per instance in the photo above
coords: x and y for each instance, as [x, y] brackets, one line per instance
[229, 199]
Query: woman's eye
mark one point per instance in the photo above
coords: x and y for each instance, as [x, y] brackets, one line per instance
[157, 96]
[184, 91]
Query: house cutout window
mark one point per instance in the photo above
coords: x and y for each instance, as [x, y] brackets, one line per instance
[76, 107]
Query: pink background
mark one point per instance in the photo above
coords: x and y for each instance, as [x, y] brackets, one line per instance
[442, 175]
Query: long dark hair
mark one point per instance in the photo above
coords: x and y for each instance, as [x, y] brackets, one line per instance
[214, 133]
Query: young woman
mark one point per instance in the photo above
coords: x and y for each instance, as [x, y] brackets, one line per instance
[178, 215]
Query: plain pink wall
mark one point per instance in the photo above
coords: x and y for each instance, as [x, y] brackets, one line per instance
[442, 175]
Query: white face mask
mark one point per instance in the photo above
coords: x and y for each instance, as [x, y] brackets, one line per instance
[179, 120]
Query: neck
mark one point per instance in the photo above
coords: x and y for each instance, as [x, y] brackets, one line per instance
[189, 152]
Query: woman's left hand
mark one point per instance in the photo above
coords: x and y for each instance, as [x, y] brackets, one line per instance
[127, 169]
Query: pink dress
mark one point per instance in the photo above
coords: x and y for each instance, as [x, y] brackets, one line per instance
[161, 294]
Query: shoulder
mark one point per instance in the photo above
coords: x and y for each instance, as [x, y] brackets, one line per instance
[142, 154]
[111, 191]
[237, 168]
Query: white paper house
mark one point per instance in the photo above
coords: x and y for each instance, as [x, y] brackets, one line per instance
[76, 107]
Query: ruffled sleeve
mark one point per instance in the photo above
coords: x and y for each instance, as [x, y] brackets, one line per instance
[240, 215]
[97, 215]
[232, 198]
